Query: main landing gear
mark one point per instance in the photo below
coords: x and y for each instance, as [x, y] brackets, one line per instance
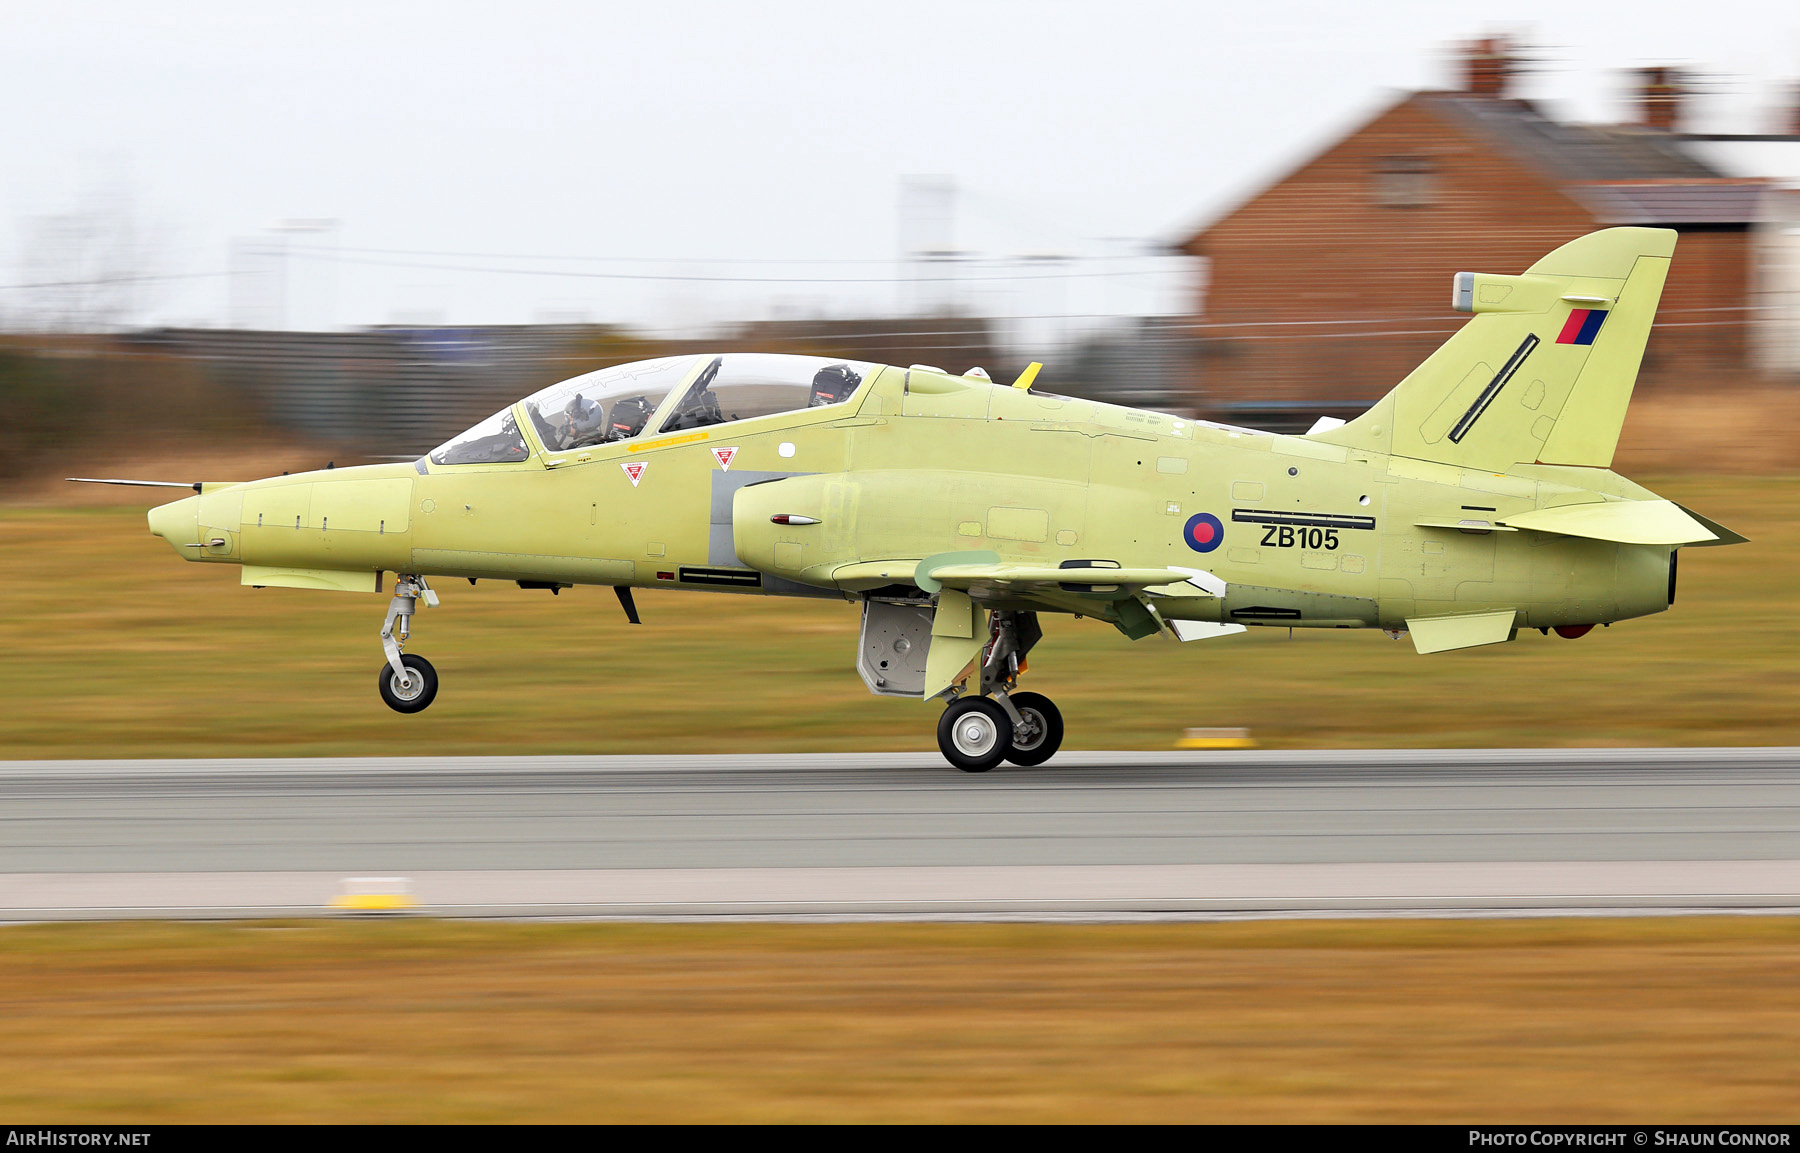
[408, 683]
[976, 733]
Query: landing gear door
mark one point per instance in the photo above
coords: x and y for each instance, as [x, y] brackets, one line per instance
[891, 652]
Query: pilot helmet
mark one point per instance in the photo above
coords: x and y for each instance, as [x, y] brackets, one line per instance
[584, 416]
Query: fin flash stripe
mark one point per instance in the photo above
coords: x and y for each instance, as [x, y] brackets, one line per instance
[1582, 326]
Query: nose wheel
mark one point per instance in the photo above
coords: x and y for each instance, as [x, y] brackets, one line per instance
[411, 689]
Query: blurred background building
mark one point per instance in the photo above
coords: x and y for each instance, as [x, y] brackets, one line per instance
[1328, 286]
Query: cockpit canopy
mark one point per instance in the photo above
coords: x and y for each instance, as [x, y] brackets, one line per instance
[657, 396]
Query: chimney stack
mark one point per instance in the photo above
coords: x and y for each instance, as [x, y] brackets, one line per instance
[1660, 91]
[1488, 67]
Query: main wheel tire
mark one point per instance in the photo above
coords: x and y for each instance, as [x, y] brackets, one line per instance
[1046, 719]
[974, 734]
[420, 690]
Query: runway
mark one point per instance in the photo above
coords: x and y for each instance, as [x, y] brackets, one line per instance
[1126, 834]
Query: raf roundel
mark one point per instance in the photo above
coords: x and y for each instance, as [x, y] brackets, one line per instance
[1203, 532]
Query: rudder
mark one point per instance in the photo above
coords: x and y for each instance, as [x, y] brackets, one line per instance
[1544, 371]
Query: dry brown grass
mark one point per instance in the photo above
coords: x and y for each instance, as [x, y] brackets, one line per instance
[1672, 1020]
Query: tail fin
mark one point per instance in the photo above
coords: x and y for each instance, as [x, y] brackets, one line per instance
[1545, 369]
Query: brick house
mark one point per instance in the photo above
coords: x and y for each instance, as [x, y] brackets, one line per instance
[1327, 287]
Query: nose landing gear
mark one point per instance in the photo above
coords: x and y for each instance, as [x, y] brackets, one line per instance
[408, 683]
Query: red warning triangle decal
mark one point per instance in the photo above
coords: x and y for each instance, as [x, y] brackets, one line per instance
[725, 456]
[634, 469]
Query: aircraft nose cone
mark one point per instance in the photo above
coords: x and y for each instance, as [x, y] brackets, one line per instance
[178, 523]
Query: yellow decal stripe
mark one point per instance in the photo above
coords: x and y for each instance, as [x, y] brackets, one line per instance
[669, 441]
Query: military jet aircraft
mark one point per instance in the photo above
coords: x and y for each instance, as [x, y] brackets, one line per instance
[1474, 500]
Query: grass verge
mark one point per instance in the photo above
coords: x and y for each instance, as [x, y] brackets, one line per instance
[1677, 1020]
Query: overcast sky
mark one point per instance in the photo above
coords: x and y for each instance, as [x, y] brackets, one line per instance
[706, 140]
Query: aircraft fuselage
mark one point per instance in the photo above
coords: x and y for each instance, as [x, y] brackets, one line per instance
[1303, 533]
